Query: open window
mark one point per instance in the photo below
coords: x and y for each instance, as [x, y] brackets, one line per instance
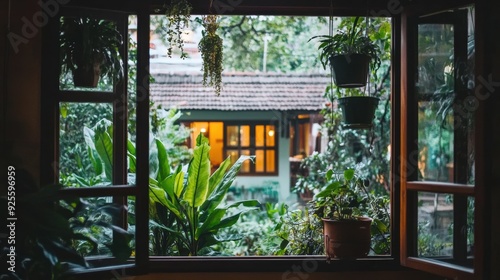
[438, 144]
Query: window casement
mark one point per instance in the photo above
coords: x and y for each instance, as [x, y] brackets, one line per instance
[257, 139]
[409, 184]
[438, 130]
[109, 101]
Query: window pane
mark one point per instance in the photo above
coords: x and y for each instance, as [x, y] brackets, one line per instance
[435, 145]
[470, 226]
[259, 160]
[435, 225]
[244, 136]
[270, 161]
[97, 224]
[86, 62]
[85, 144]
[270, 135]
[232, 136]
[259, 136]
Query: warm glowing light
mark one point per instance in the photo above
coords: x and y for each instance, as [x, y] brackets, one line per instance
[270, 133]
[203, 130]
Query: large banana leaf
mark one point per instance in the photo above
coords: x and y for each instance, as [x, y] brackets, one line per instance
[198, 175]
[163, 163]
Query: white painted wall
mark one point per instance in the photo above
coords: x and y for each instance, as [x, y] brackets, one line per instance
[273, 117]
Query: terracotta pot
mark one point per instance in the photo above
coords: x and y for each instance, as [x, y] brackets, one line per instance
[347, 239]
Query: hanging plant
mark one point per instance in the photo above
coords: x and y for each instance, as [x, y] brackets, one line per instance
[178, 14]
[211, 53]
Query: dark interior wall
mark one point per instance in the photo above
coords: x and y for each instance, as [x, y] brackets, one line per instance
[21, 84]
[20, 71]
[493, 132]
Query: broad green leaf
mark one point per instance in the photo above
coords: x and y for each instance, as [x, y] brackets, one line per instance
[327, 191]
[221, 189]
[159, 195]
[95, 160]
[163, 163]
[131, 156]
[179, 183]
[349, 174]
[211, 222]
[198, 176]
[104, 147]
[218, 175]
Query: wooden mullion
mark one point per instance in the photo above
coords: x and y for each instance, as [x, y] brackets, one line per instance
[461, 141]
[100, 191]
[142, 139]
[86, 96]
[441, 187]
[395, 123]
[49, 109]
[120, 120]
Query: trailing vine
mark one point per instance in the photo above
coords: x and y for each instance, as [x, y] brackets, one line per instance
[211, 53]
[178, 13]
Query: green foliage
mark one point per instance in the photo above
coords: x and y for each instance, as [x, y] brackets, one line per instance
[86, 42]
[211, 47]
[301, 232]
[178, 14]
[48, 226]
[348, 42]
[195, 201]
[246, 37]
[341, 199]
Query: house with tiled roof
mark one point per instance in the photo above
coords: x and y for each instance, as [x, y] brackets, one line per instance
[273, 116]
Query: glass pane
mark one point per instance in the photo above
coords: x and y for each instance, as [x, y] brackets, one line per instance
[244, 136]
[98, 224]
[435, 225]
[232, 135]
[132, 98]
[435, 86]
[85, 144]
[447, 101]
[270, 135]
[259, 136]
[470, 226]
[270, 161]
[90, 54]
[435, 145]
[259, 161]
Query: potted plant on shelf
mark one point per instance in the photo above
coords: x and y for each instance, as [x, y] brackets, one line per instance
[347, 232]
[90, 49]
[350, 54]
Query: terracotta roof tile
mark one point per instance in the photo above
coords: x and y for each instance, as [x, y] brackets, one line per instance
[242, 92]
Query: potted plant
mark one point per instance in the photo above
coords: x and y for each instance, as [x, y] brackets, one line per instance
[350, 54]
[347, 232]
[90, 49]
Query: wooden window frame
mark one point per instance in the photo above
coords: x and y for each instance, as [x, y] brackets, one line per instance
[399, 141]
[409, 184]
[252, 147]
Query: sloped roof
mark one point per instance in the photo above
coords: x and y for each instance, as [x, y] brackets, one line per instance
[242, 92]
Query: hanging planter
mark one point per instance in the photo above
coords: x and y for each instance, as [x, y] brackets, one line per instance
[211, 53]
[358, 112]
[178, 14]
[349, 55]
[90, 50]
[350, 71]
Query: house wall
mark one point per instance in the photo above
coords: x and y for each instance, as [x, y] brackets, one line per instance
[283, 177]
